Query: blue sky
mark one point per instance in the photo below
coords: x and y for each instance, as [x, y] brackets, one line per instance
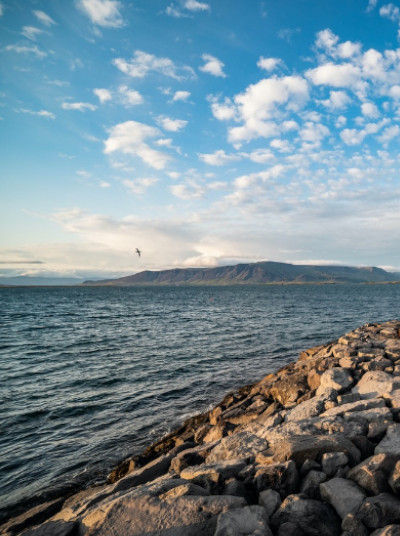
[204, 133]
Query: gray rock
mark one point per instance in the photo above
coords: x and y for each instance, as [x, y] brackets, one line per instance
[373, 384]
[390, 530]
[332, 461]
[301, 447]
[372, 474]
[308, 466]
[281, 477]
[250, 520]
[313, 517]
[309, 408]
[344, 495]
[359, 405]
[390, 444]
[270, 500]
[234, 487]
[379, 511]
[336, 378]
[239, 445]
[310, 484]
[394, 480]
[290, 529]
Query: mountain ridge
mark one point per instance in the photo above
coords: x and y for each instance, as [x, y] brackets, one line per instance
[264, 272]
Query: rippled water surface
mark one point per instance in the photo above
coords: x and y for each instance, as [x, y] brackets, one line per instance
[90, 375]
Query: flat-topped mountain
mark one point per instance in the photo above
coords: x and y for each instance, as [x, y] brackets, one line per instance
[253, 273]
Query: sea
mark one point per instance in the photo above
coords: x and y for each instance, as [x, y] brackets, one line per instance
[89, 376]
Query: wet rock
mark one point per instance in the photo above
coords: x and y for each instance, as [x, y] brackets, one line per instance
[281, 477]
[372, 474]
[54, 528]
[313, 517]
[310, 484]
[332, 461]
[344, 495]
[379, 511]
[33, 516]
[270, 500]
[250, 520]
[337, 378]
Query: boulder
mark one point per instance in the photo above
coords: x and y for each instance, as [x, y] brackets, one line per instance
[281, 477]
[314, 518]
[390, 444]
[307, 409]
[270, 500]
[302, 447]
[250, 520]
[290, 529]
[379, 511]
[359, 405]
[344, 495]
[337, 378]
[372, 474]
[332, 461]
[213, 472]
[374, 383]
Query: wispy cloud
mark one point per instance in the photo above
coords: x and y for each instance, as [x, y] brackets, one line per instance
[43, 17]
[39, 113]
[80, 106]
[31, 32]
[24, 49]
[172, 125]
[143, 63]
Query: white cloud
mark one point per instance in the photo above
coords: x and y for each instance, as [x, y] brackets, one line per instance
[130, 138]
[388, 134]
[172, 125]
[222, 111]
[218, 158]
[40, 113]
[142, 63]
[43, 17]
[390, 11]
[280, 145]
[164, 142]
[80, 106]
[212, 65]
[194, 5]
[348, 49]
[261, 156]
[337, 100]
[130, 97]
[31, 32]
[103, 95]
[22, 49]
[104, 184]
[139, 186]
[336, 75]
[352, 136]
[326, 39]
[369, 109]
[105, 13]
[268, 64]
[261, 102]
[313, 133]
[371, 5]
[188, 191]
[181, 96]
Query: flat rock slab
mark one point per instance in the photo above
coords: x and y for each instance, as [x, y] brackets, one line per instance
[240, 445]
[132, 515]
[302, 447]
[54, 528]
[375, 383]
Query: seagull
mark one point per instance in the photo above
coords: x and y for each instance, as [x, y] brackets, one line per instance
[137, 250]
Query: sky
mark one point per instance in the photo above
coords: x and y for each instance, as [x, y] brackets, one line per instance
[202, 133]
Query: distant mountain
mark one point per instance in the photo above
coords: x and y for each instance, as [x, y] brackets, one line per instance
[24, 280]
[253, 273]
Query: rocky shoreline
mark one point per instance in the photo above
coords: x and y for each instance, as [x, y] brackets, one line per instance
[313, 449]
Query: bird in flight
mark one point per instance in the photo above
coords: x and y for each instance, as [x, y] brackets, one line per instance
[139, 253]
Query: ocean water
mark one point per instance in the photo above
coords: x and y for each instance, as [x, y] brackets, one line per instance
[92, 375]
